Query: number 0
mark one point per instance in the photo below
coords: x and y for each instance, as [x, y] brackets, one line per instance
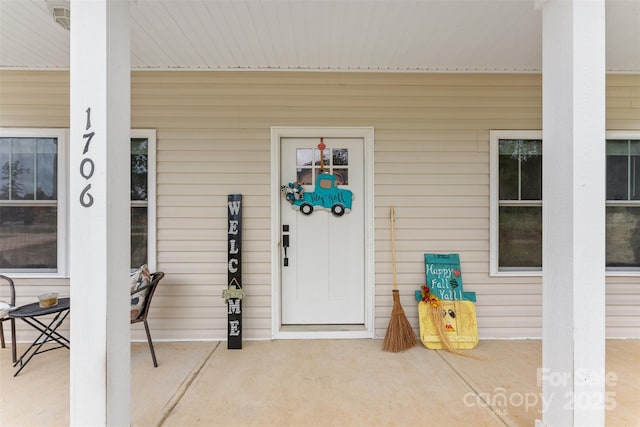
[92, 168]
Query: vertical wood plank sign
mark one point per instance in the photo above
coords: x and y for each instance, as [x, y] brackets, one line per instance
[234, 293]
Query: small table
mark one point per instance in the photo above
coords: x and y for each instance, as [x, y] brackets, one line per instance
[29, 313]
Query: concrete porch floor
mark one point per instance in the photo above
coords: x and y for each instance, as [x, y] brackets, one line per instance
[318, 383]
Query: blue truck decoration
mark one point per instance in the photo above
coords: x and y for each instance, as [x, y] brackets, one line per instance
[327, 196]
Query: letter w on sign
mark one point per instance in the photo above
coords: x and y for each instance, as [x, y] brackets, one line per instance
[234, 293]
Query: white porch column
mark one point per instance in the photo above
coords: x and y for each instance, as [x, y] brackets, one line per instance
[573, 344]
[99, 213]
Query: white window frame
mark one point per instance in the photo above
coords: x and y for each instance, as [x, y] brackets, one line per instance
[150, 135]
[494, 137]
[62, 135]
[621, 271]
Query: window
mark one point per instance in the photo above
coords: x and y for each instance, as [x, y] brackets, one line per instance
[33, 218]
[516, 202]
[335, 161]
[623, 201]
[516, 193]
[143, 184]
[32, 210]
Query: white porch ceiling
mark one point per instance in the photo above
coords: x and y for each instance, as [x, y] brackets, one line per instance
[341, 35]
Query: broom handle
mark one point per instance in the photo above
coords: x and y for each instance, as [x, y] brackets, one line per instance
[393, 248]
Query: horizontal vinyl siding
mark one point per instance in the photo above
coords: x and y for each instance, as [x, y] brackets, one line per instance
[431, 163]
[197, 169]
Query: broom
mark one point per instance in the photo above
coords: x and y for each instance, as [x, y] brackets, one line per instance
[400, 335]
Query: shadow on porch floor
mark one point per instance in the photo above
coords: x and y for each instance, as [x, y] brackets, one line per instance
[318, 383]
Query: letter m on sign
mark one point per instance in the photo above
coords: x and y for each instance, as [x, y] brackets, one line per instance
[234, 306]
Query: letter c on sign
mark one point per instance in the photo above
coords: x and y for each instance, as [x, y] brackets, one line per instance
[233, 265]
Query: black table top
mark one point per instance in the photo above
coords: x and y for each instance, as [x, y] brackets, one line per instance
[34, 309]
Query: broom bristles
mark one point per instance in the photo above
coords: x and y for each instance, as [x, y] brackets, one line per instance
[400, 335]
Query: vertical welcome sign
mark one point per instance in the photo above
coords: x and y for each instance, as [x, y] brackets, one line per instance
[234, 293]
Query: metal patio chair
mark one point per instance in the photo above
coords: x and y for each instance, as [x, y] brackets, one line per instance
[142, 317]
[4, 317]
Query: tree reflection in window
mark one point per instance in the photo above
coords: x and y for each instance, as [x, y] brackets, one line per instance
[12, 188]
[139, 168]
[28, 205]
[139, 200]
[340, 157]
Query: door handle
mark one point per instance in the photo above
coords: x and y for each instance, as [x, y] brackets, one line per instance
[285, 243]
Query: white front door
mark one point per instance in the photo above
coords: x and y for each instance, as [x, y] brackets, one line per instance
[323, 273]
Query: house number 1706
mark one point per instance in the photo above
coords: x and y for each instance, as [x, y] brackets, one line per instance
[87, 167]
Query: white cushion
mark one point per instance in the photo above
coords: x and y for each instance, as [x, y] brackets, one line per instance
[139, 279]
[5, 308]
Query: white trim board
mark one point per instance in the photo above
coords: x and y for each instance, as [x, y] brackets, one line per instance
[367, 133]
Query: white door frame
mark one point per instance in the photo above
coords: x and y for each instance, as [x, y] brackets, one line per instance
[278, 132]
